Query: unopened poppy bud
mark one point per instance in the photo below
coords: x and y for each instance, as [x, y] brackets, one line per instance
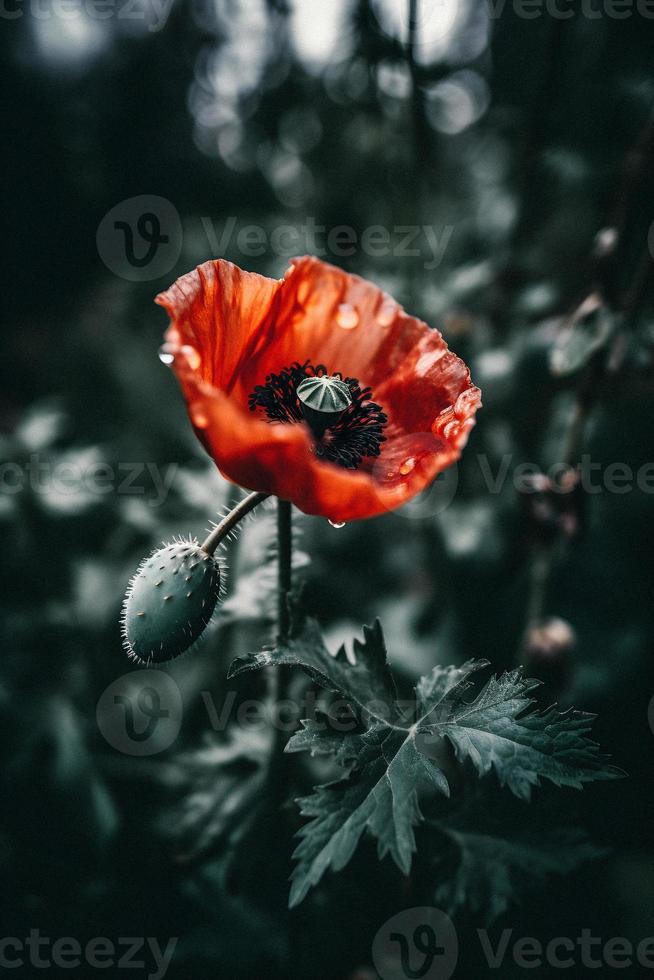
[169, 602]
[323, 400]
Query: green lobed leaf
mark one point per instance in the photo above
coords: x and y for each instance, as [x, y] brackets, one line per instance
[392, 757]
[367, 680]
[500, 730]
[380, 795]
[494, 872]
[432, 689]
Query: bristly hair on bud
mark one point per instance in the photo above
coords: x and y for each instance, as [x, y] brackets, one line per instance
[356, 434]
[169, 602]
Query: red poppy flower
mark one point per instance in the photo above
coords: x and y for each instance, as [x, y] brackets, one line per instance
[241, 344]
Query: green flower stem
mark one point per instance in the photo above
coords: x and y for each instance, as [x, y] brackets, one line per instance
[279, 679]
[285, 558]
[231, 520]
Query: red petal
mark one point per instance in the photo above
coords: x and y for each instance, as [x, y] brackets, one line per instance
[231, 328]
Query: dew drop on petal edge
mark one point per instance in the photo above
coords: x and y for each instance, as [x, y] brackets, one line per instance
[407, 466]
[387, 313]
[337, 523]
[347, 317]
[199, 417]
[167, 354]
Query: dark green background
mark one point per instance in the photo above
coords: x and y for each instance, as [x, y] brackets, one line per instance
[89, 839]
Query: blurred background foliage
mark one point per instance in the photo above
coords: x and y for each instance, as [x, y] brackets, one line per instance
[532, 140]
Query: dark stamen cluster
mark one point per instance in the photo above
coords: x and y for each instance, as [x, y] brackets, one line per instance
[357, 433]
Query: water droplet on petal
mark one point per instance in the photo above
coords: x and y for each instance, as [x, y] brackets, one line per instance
[167, 353]
[467, 402]
[347, 317]
[192, 356]
[408, 465]
[387, 313]
[337, 523]
[199, 417]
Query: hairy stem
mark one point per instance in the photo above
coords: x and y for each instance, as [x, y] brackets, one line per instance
[231, 520]
[279, 677]
[284, 559]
